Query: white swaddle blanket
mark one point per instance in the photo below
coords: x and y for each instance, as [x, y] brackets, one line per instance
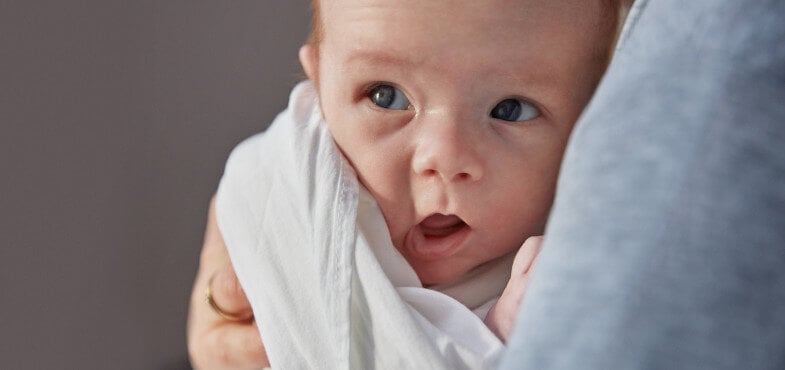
[287, 208]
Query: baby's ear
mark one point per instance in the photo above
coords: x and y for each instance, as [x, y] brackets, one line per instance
[309, 61]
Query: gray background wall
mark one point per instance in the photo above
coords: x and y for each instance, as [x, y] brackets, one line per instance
[115, 120]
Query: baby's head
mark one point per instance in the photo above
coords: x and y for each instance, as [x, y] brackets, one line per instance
[455, 114]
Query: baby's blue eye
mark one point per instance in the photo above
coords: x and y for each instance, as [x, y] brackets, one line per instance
[389, 97]
[515, 110]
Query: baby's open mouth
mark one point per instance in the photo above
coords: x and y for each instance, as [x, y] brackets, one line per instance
[438, 225]
[437, 236]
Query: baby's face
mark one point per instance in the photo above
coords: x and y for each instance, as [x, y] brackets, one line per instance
[455, 115]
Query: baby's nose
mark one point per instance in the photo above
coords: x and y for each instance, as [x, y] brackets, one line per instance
[446, 151]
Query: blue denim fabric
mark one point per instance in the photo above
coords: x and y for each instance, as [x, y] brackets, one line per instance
[666, 245]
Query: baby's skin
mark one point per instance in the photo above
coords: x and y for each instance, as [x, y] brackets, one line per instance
[455, 116]
[501, 317]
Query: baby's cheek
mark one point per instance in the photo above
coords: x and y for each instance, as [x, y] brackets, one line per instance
[385, 174]
[519, 219]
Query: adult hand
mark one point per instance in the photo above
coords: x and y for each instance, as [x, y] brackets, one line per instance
[216, 342]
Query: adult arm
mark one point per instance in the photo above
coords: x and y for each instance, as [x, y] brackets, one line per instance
[666, 245]
[215, 342]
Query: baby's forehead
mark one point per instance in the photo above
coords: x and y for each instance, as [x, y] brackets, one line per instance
[503, 20]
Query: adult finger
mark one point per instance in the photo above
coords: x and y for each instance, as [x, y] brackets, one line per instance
[215, 265]
[227, 293]
[213, 341]
[230, 346]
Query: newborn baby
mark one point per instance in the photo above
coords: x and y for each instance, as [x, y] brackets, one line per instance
[454, 116]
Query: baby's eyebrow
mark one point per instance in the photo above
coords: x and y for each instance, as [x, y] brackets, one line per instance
[378, 57]
[534, 76]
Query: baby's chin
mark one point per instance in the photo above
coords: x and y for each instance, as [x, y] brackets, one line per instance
[439, 272]
[454, 268]
[431, 272]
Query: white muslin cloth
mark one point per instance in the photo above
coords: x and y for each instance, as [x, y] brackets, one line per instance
[306, 241]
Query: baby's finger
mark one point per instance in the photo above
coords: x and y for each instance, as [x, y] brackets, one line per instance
[228, 295]
[231, 346]
[526, 255]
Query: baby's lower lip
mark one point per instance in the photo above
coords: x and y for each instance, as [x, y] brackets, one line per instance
[434, 244]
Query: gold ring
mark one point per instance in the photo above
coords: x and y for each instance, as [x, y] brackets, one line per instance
[218, 310]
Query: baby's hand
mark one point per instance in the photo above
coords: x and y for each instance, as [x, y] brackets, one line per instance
[501, 317]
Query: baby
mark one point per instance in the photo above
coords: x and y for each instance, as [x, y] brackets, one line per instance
[454, 115]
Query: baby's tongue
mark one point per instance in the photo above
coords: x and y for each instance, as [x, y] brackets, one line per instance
[440, 221]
